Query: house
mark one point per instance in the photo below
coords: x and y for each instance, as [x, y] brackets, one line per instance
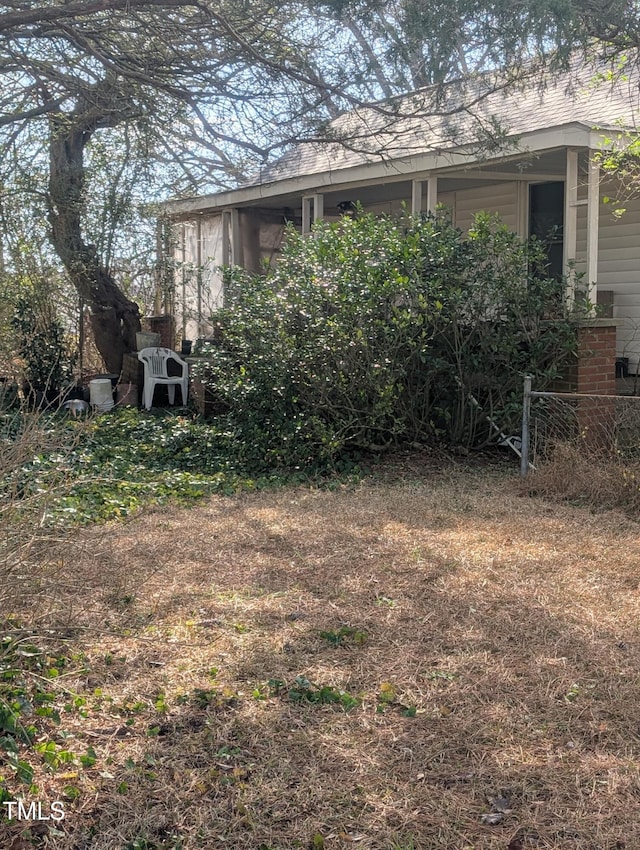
[530, 155]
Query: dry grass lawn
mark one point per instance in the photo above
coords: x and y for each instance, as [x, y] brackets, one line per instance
[491, 640]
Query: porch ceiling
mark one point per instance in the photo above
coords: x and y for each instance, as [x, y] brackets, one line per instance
[550, 165]
[542, 156]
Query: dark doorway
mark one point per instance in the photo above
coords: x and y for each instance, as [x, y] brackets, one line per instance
[546, 223]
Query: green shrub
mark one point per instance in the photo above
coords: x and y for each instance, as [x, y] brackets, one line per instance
[382, 329]
[43, 345]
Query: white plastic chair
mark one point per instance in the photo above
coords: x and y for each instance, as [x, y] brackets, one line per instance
[155, 372]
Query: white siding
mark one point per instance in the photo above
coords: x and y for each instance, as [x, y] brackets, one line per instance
[387, 207]
[502, 198]
[448, 200]
[465, 203]
[619, 270]
[580, 258]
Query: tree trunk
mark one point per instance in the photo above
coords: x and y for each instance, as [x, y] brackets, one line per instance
[114, 317]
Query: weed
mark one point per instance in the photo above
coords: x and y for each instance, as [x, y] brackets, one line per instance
[339, 638]
[204, 698]
[442, 675]
[89, 759]
[388, 697]
[30, 712]
[586, 475]
[387, 693]
[385, 600]
[55, 756]
[304, 690]
[572, 693]
[160, 704]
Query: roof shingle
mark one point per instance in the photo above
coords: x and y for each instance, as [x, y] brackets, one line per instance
[442, 120]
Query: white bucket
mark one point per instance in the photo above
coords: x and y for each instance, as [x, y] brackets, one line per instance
[101, 393]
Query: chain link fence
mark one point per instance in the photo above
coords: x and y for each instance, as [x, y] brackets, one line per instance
[600, 424]
[582, 446]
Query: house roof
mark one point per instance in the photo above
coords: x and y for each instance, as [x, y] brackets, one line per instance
[471, 122]
[471, 116]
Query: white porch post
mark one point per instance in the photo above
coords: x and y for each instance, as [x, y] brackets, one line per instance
[236, 239]
[312, 211]
[183, 278]
[417, 195]
[199, 260]
[432, 193]
[226, 238]
[318, 207]
[417, 187]
[306, 215]
[593, 216]
[570, 223]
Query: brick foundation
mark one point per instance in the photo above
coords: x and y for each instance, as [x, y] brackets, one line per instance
[593, 372]
[597, 360]
[594, 368]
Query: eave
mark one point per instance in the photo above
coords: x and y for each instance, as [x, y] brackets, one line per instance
[378, 172]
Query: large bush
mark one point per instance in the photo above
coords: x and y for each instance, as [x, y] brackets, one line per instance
[37, 316]
[381, 329]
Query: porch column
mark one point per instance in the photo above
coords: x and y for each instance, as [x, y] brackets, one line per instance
[199, 260]
[231, 238]
[312, 211]
[417, 194]
[432, 193]
[593, 215]
[417, 188]
[570, 223]
[225, 259]
[236, 239]
[183, 278]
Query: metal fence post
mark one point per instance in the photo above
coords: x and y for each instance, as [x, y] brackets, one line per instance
[526, 419]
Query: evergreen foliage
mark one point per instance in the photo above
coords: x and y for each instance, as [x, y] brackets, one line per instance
[378, 330]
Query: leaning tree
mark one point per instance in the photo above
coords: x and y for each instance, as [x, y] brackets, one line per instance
[215, 87]
[193, 78]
